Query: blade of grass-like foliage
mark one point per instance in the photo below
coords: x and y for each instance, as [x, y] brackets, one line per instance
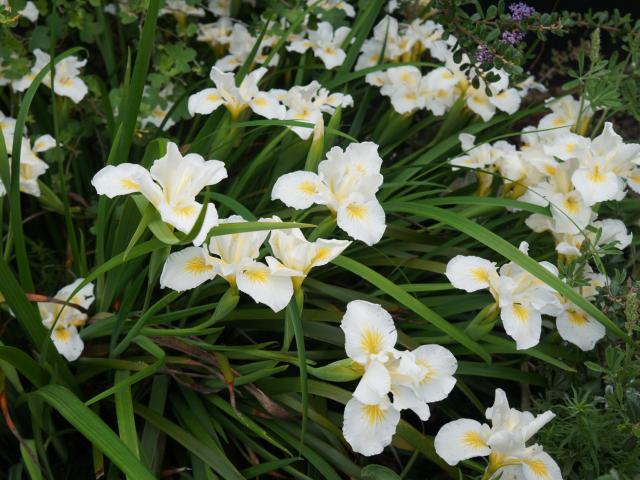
[124, 415]
[27, 450]
[289, 123]
[150, 445]
[504, 248]
[215, 458]
[24, 364]
[363, 24]
[266, 467]
[486, 201]
[94, 429]
[147, 371]
[293, 316]
[130, 104]
[411, 303]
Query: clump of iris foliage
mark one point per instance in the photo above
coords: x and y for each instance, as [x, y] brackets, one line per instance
[317, 239]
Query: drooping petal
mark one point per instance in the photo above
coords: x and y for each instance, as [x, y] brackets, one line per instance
[114, 180]
[368, 330]
[267, 106]
[299, 190]
[73, 87]
[579, 328]
[541, 467]
[256, 280]
[186, 269]
[522, 323]
[462, 439]
[44, 143]
[68, 342]
[471, 273]
[205, 101]
[362, 220]
[369, 428]
[327, 249]
[437, 380]
[596, 185]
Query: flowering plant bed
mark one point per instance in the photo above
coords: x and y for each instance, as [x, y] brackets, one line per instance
[318, 239]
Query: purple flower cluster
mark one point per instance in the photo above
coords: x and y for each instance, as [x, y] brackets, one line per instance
[521, 11]
[513, 37]
[483, 55]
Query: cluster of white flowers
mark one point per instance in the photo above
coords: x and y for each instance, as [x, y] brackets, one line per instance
[523, 299]
[64, 320]
[66, 82]
[304, 103]
[346, 183]
[413, 378]
[566, 171]
[31, 166]
[409, 90]
[325, 42]
[504, 442]
[234, 257]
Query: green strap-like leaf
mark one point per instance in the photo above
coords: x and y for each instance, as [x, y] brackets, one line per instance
[94, 429]
[411, 303]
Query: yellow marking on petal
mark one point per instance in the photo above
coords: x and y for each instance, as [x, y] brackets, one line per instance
[577, 318]
[596, 175]
[521, 312]
[571, 204]
[558, 122]
[442, 93]
[197, 266]
[358, 212]
[550, 169]
[65, 81]
[373, 414]
[129, 184]
[473, 439]
[479, 100]
[371, 341]
[447, 75]
[308, 188]
[260, 102]
[430, 371]
[62, 334]
[184, 211]
[405, 77]
[321, 254]
[212, 97]
[570, 147]
[257, 276]
[480, 274]
[538, 467]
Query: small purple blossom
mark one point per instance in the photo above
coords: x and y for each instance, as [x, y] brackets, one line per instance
[513, 37]
[483, 55]
[521, 11]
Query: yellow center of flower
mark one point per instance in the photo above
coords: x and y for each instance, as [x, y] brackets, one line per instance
[571, 204]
